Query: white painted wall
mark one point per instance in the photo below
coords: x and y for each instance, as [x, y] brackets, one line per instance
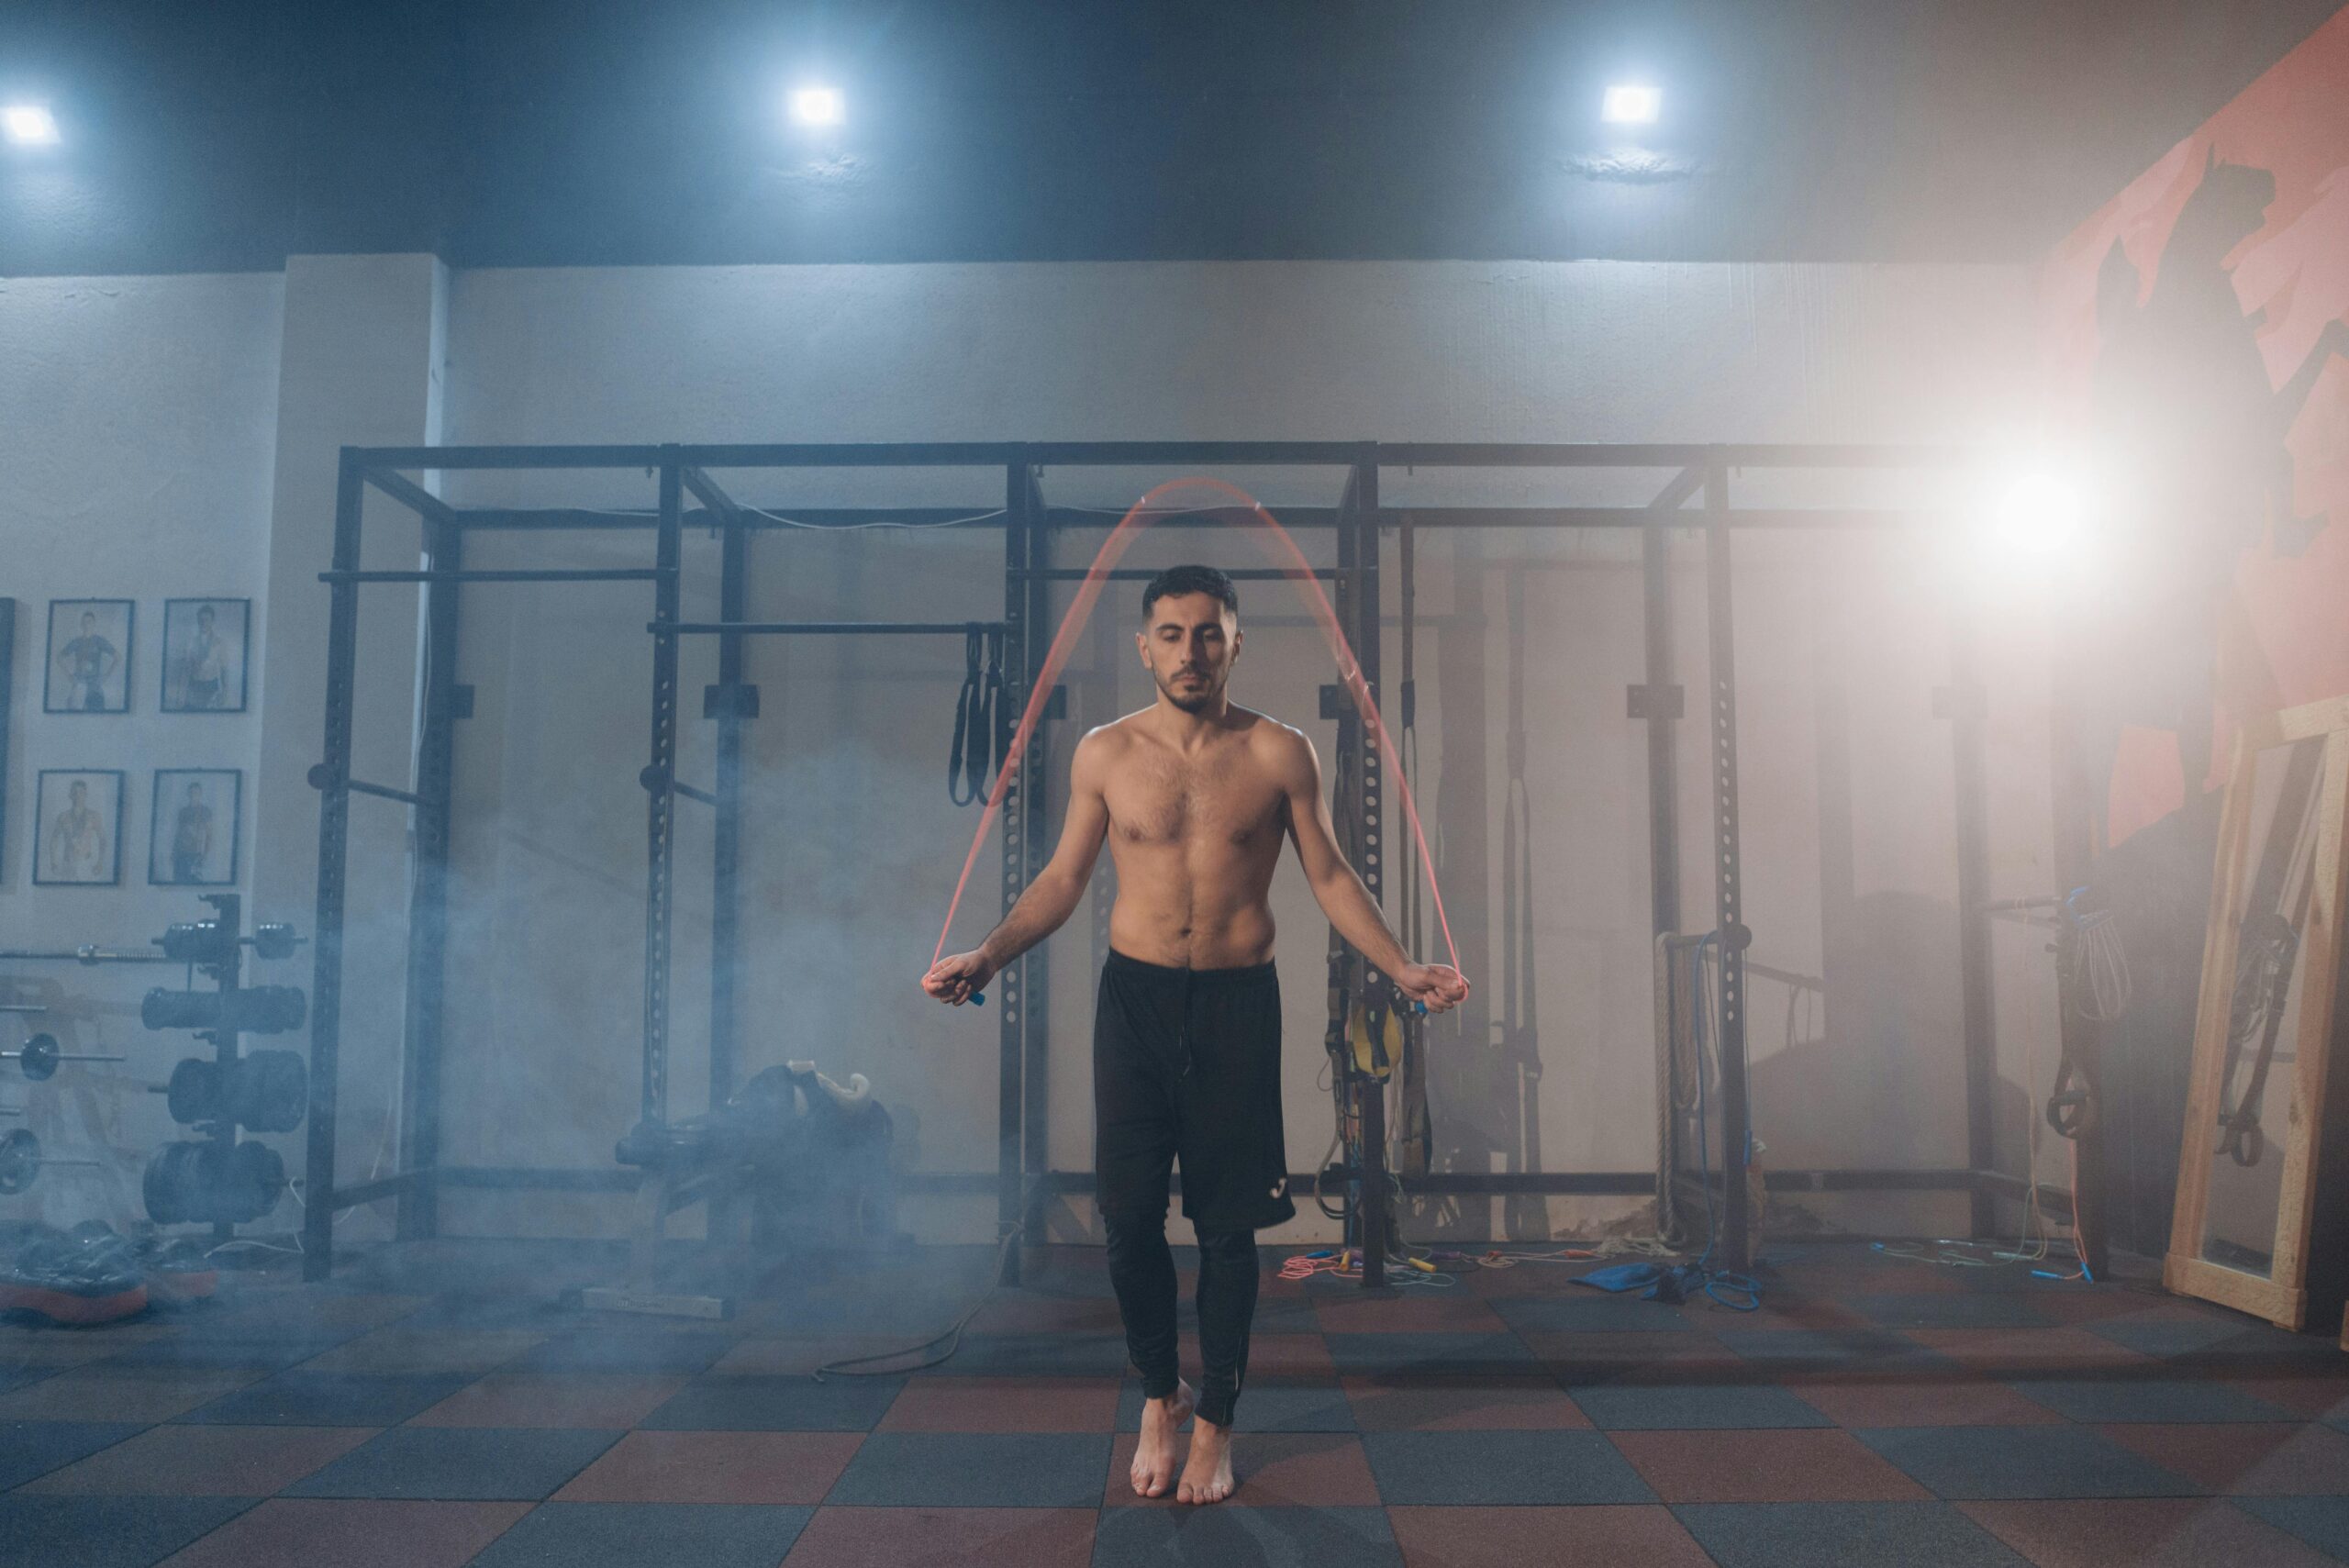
[138, 429]
[853, 849]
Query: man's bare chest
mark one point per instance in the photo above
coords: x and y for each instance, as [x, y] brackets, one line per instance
[1161, 802]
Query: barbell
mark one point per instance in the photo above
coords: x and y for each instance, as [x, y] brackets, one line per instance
[21, 1161]
[254, 1009]
[40, 1056]
[210, 942]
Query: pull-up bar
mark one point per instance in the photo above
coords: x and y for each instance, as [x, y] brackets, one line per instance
[821, 628]
[551, 574]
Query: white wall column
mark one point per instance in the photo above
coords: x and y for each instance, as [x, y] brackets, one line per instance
[365, 339]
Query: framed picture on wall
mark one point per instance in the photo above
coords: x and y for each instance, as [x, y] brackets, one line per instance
[77, 827]
[88, 668]
[205, 644]
[193, 839]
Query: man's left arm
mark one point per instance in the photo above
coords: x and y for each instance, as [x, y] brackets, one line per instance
[1341, 893]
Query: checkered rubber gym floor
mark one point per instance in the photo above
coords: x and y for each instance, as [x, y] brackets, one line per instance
[435, 1405]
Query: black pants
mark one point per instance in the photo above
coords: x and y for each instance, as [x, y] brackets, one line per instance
[1186, 1066]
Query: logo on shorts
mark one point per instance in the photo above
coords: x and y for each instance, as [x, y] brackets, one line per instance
[1280, 1186]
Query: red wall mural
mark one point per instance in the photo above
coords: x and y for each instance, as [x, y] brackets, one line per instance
[2198, 325]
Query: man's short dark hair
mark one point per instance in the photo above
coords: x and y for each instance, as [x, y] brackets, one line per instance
[1190, 580]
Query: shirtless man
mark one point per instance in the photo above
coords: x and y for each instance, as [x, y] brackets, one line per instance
[1194, 795]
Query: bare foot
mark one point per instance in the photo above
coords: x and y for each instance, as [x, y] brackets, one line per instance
[1207, 1474]
[1154, 1468]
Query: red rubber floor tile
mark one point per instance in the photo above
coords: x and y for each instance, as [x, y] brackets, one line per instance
[1515, 1538]
[1859, 1402]
[2018, 1352]
[608, 1400]
[207, 1461]
[946, 1538]
[143, 1397]
[2143, 1532]
[1002, 1405]
[715, 1467]
[1007, 1314]
[1530, 1403]
[300, 1532]
[1447, 1312]
[1772, 1466]
[2241, 1458]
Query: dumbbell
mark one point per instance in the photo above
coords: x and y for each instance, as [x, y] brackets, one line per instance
[40, 1056]
[21, 1161]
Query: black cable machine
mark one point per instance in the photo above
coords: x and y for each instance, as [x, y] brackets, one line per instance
[1025, 1179]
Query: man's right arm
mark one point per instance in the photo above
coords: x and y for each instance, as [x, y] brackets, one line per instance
[1053, 897]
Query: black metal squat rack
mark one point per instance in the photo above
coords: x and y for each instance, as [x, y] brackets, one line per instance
[1024, 1178]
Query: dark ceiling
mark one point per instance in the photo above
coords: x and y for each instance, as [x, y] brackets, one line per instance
[226, 134]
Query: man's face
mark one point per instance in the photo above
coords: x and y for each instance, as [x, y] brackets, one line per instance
[89, 622]
[1189, 644]
[203, 619]
[196, 794]
[78, 794]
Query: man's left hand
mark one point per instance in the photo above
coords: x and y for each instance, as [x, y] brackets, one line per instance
[1437, 986]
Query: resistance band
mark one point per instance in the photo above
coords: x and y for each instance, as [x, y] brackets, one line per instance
[1193, 495]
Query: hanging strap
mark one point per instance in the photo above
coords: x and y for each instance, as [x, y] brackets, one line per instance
[969, 766]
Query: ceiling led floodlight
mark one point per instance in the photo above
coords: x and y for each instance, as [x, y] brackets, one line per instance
[1632, 106]
[817, 106]
[29, 124]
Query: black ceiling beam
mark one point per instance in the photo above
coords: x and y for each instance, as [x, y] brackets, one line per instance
[1159, 454]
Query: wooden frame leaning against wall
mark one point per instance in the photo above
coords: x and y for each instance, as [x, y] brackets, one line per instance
[2271, 960]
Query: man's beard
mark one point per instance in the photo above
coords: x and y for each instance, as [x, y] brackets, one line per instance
[1196, 702]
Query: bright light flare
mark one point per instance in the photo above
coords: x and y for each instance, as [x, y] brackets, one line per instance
[2042, 514]
[819, 105]
[29, 124]
[1629, 104]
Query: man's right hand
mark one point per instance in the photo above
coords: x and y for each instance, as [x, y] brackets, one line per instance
[952, 980]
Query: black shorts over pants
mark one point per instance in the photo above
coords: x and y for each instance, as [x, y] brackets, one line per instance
[1186, 1066]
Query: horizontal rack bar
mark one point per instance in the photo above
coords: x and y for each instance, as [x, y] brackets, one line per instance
[821, 628]
[844, 519]
[1145, 454]
[409, 494]
[80, 955]
[544, 574]
[690, 793]
[1144, 573]
[372, 1191]
[384, 792]
[1628, 1183]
